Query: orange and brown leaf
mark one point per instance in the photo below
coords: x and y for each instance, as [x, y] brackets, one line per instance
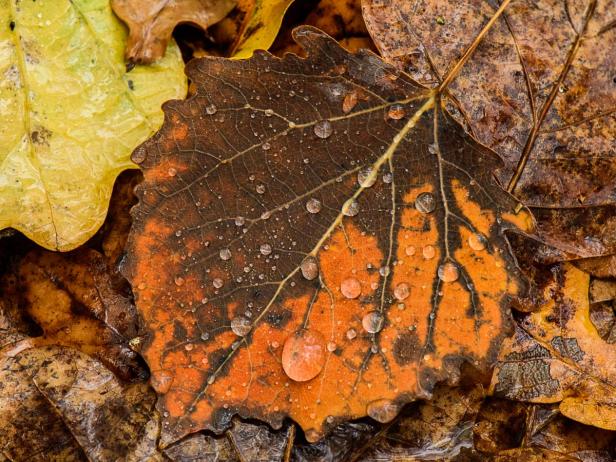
[151, 23]
[315, 238]
[557, 355]
[540, 90]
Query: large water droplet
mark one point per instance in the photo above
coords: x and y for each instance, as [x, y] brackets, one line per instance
[224, 254]
[309, 268]
[265, 249]
[448, 272]
[323, 129]
[477, 242]
[303, 355]
[428, 252]
[396, 112]
[365, 178]
[350, 288]
[313, 205]
[425, 202]
[240, 326]
[402, 291]
[373, 322]
[382, 410]
[350, 208]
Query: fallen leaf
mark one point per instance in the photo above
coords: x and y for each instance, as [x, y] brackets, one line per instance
[542, 96]
[557, 356]
[70, 116]
[315, 238]
[151, 23]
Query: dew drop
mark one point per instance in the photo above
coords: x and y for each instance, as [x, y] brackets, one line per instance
[172, 171]
[384, 271]
[313, 205]
[402, 291]
[239, 221]
[265, 249]
[331, 346]
[410, 250]
[396, 112]
[266, 146]
[350, 288]
[350, 208]
[388, 178]
[260, 188]
[205, 336]
[224, 254]
[218, 283]
[240, 326]
[351, 334]
[309, 268]
[429, 252]
[179, 281]
[373, 322]
[211, 109]
[448, 272]
[323, 129]
[303, 355]
[477, 242]
[382, 410]
[365, 178]
[139, 155]
[425, 202]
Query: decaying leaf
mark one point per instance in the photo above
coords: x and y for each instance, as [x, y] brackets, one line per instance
[558, 356]
[151, 22]
[70, 115]
[315, 238]
[539, 90]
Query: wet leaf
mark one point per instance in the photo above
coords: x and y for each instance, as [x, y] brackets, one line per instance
[294, 254]
[558, 356]
[71, 114]
[541, 96]
[151, 23]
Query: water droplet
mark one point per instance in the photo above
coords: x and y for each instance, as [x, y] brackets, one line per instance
[382, 410]
[331, 346]
[425, 202]
[172, 171]
[477, 242]
[410, 250]
[396, 112]
[239, 221]
[205, 336]
[402, 291]
[350, 208]
[429, 252]
[384, 271]
[349, 102]
[139, 155]
[265, 249]
[188, 346]
[323, 129]
[240, 326]
[388, 177]
[211, 109]
[224, 254]
[448, 272]
[365, 178]
[351, 334]
[313, 205]
[373, 322]
[266, 146]
[179, 281]
[309, 268]
[218, 283]
[260, 188]
[350, 288]
[303, 355]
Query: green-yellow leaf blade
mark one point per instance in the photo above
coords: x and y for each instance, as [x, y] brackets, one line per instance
[70, 115]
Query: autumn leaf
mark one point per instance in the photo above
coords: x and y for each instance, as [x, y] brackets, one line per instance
[558, 356]
[539, 91]
[70, 116]
[151, 23]
[315, 238]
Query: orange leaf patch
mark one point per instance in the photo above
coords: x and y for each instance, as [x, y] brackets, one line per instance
[296, 255]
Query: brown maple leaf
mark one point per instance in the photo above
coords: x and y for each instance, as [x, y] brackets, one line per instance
[540, 91]
[315, 238]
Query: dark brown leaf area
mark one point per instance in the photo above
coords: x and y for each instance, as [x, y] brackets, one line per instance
[540, 90]
[290, 206]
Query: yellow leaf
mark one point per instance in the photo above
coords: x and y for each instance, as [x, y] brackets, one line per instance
[70, 115]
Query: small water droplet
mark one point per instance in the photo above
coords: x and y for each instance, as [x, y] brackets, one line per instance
[477, 242]
[172, 171]
[402, 291]
[448, 272]
[240, 326]
[396, 112]
[188, 346]
[388, 178]
[265, 249]
[139, 155]
[349, 102]
[350, 208]
[351, 334]
[410, 250]
[211, 109]
[205, 336]
[350, 288]
[303, 355]
[179, 281]
[323, 129]
[373, 322]
[331, 346]
[266, 146]
[217, 283]
[428, 252]
[239, 221]
[224, 254]
[313, 205]
[365, 178]
[425, 202]
[260, 188]
[384, 271]
[309, 268]
[382, 410]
